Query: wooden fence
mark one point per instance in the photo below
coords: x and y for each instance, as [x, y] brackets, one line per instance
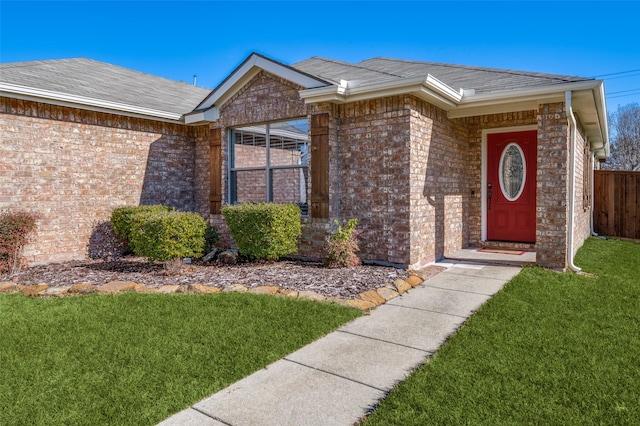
[617, 203]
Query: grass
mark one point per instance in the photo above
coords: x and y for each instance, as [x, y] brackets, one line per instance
[550, 348]
[135, 359]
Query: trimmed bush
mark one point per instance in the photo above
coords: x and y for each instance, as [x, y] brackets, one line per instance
[167, 235]
[121, 218]
[15, 230]
[342, 245]
[265, 231]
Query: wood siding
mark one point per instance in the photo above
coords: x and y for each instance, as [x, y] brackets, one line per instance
[319, 166]
[617, 203]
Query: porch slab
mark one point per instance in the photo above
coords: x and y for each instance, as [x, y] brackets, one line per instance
[473, 255]
[494, 272]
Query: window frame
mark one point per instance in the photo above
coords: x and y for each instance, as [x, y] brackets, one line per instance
[268, 168]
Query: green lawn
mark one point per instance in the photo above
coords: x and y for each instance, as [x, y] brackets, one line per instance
[549, 349]
[137, 358]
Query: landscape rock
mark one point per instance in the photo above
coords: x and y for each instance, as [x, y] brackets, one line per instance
[9, 287]
[373, 297]
[211, 255]
[83, 288]
[387, 293]
[265, 289]
[116, 287]
[401, 285]
[203, 289]
[34, 290]
[235, 288]
[166, 289]
[414, 280]
[141, 288]
[360, 304]
[287, 292]
[228, 257]
[57, 291]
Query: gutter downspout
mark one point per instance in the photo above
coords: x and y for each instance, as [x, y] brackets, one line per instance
[573, 126]
[593, 193]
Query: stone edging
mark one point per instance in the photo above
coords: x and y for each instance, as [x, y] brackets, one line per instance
[366, 300]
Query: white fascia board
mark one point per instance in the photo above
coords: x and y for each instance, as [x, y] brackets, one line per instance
[500, 101]
[425, 87]
[65, 99]
[201, 117]
[248, 70]
[74, 101]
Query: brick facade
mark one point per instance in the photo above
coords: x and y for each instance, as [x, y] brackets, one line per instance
[74, 166]
[408, 173]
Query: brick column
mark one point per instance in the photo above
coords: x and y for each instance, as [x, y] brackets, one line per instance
[552, 198]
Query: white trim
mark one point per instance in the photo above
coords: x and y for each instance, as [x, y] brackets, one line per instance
[201, 117]
[75, 101]
[247, 70]
[425, 87]
[483, 178]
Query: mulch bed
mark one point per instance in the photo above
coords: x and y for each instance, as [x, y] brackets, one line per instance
[287, 274]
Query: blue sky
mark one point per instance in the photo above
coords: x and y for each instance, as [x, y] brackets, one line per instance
[210, 38]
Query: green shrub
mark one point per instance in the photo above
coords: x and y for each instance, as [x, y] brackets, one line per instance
[121, 218]
[342, 245]
[167, 235]
[264, 231]
[15, 230]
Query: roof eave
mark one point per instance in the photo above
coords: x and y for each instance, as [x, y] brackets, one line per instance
[590, 105]
[425, 87]
[64, 99]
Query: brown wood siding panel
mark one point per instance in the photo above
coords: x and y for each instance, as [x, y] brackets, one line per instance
[319, 166]
[215, 183]
[617, 203]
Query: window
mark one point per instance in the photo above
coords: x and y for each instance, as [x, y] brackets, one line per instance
[269, 162]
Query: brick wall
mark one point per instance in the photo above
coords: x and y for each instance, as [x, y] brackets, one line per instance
[440, 175]
[74, 166]
[582, 206]
[373, 153]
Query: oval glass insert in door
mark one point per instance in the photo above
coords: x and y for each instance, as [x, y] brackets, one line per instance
[513, 171]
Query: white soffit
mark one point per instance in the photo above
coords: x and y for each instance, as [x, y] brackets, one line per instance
[92, 104]
[247, 70]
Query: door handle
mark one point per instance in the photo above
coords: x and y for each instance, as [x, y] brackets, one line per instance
[489, 194]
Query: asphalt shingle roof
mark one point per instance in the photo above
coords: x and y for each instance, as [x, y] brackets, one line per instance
[99, 80]
[481, 79]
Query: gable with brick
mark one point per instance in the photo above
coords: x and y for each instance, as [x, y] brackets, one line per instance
[430, 158]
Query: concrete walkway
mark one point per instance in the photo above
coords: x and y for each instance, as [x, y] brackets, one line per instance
[338, 378]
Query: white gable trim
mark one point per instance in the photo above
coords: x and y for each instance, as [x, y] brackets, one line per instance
[247, 70]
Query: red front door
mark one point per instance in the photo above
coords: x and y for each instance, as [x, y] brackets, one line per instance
[511, 186]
